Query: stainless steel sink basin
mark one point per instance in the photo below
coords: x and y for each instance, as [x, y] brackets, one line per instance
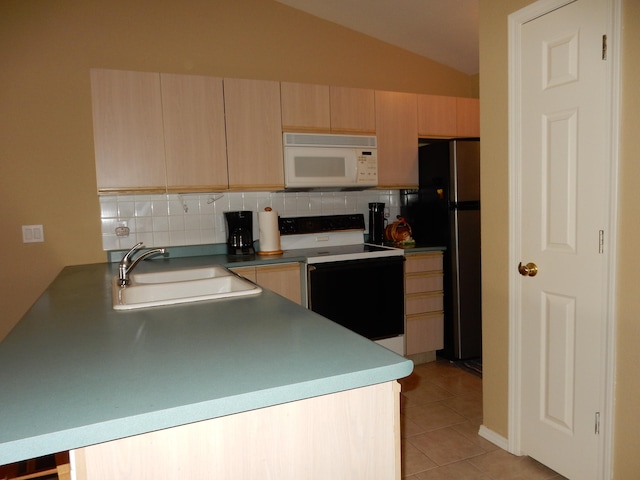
[180, 286]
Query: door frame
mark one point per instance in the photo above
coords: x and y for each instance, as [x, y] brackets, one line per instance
[515, 22]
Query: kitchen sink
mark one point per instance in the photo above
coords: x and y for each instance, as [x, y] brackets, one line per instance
[187, 274]
[180, 286]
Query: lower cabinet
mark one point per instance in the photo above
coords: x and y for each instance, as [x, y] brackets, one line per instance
[424, 303]
[282, 278]
[349, 435]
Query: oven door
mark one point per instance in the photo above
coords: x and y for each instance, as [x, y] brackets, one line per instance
[366, 296]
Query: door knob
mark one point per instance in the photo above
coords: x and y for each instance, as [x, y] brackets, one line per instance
[528, 270]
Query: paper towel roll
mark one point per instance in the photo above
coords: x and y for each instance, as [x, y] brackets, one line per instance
[269, 232]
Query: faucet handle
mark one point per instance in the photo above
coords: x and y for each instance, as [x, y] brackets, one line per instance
[127, 256]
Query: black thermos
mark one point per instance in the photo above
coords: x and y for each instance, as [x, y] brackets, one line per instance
[376, 223]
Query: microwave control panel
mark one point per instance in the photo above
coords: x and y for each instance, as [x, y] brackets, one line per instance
[367, 167]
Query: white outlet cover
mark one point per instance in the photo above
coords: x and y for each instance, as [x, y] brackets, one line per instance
[32, 234]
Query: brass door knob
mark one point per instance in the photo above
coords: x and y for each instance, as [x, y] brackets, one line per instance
[528, 270]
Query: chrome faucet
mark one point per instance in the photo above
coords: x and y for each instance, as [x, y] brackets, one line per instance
[126, 264]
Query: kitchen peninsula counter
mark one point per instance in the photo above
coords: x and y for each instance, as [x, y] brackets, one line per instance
[74, 372]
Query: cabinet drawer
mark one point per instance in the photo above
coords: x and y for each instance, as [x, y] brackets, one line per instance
[423, 282]
[424, 302]
[423, 262]
[425, 333]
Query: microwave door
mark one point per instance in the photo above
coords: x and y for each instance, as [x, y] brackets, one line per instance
[318, 167]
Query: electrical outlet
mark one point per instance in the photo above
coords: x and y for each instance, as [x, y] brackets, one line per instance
[32, 234]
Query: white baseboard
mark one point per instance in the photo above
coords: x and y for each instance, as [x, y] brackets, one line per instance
[493, 437]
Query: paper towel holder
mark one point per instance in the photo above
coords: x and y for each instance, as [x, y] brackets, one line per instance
[276, 232]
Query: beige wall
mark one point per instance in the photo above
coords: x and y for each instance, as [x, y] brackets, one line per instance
[493, 95]
[47, 173]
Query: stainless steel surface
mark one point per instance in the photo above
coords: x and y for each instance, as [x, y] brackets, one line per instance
[127, 265]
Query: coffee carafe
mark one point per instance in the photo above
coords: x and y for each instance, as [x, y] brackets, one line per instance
[376, 223]
[239, 232]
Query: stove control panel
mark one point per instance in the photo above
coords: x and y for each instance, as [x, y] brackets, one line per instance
[321, 223]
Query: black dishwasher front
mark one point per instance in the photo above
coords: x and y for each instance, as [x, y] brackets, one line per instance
[366, 296]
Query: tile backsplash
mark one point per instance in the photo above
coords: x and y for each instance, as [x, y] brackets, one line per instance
[195, 219]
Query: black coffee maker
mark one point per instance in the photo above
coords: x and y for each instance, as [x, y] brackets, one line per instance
[239, 232]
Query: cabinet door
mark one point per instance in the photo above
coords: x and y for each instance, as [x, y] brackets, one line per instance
[194, 131]
[305, 107]
[254, 134]
[468, 117]
[352, 110]
[397, 132]
[128, 131]
[437, 116]
[283, 279]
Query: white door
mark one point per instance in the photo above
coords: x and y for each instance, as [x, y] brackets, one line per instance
[563, 154]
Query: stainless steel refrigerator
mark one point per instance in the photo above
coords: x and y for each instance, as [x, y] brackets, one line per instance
[445, 210]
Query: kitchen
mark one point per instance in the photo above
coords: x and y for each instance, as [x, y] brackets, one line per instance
[49, 178]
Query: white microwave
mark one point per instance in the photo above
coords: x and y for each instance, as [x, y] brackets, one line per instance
[329, 162]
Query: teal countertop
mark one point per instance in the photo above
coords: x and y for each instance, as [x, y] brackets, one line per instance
[74, 372]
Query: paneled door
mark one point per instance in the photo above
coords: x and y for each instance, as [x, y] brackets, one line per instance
[562, 211]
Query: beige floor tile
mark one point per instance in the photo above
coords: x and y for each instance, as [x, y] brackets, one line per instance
[445, 446]
[441, 414]
[468, 404]
[469, 430]
[455, 471]
[424, 392]
[501, 465]
[431, 416]
[459, 383]
[414, 461]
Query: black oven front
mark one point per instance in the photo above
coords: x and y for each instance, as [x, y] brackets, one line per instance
[363, 295]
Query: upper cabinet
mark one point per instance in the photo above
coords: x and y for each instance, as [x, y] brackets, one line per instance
[305, 107]
[128, 131]
[467, 117]
[194, 133]
[353, 110]
[442, 116]
[397, 132]
[254, 134]
[325, 109]
[158, 132]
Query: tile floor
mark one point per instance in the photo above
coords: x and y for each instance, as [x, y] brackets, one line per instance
[441, 412]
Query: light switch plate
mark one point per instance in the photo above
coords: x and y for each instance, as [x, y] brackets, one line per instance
[32, 234]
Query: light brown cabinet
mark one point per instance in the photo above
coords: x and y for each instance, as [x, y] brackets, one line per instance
[424, 302]
[397, 132]
[305, 107]
[158, 132]
[467, 117]
[282, 278]
[128, 131]
[442, 116]
[254, 134]
[353, 110]
[289, 441]
[327, 109]
[194, 133]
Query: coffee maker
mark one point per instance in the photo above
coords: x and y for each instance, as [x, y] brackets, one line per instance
[239, 232]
